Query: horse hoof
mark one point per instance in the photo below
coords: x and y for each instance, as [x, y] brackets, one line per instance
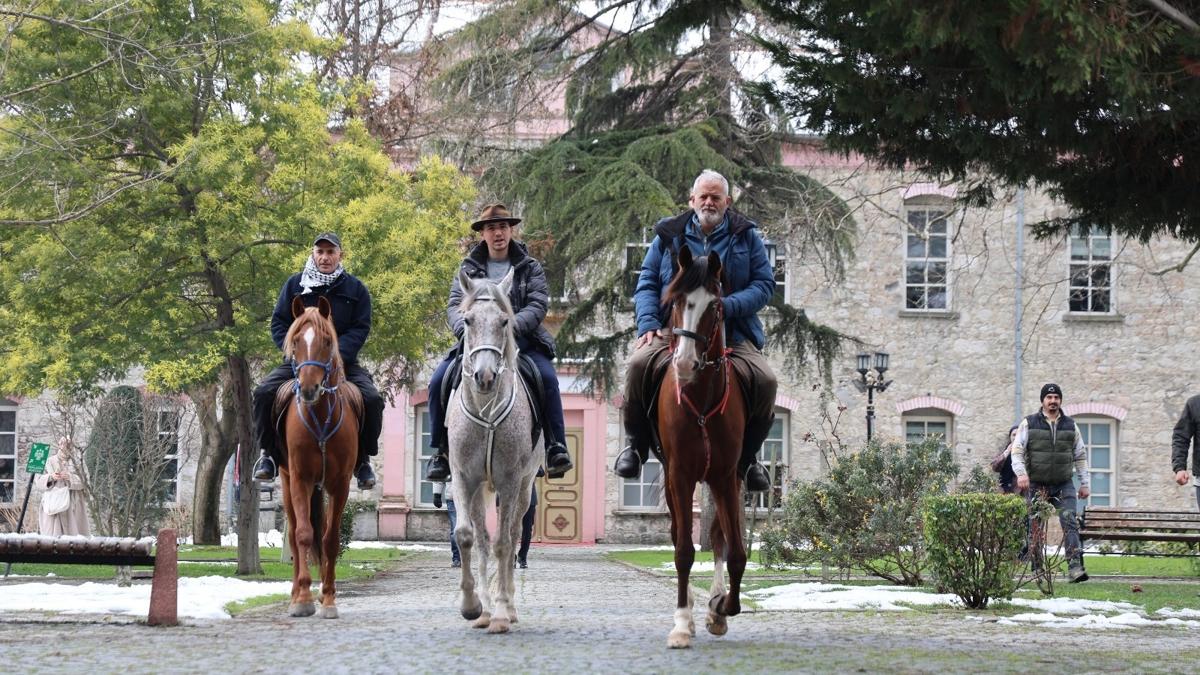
[692, 628]
[679, 639]
[498, 625]
[484, 621]
[512, 616]
[302, 609]
[716, 624]
[472, 613]
[328, 612]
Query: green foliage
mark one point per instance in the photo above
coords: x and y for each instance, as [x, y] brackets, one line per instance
[1092, 100]
[866, 513]
[346, 527]
[980, 478]
[973, 542]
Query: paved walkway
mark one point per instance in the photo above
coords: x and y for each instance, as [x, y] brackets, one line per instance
[578, 612]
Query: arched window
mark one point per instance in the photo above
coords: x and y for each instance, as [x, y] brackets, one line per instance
[1100, 436]
[8, 451]
[928, 415]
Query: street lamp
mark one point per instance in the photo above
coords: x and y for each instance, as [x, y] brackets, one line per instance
[872, 381]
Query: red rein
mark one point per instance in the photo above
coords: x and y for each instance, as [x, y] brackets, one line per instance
[722, 362]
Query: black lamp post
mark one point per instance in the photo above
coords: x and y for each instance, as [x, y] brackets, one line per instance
[872, 381]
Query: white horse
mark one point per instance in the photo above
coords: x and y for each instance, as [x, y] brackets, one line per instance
[489, 426]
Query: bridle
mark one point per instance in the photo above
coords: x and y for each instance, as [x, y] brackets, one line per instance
[321, 429]
[721, 363]
[493, 413]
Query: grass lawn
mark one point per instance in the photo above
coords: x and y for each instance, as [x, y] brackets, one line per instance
[1154, 594]
[203, 561]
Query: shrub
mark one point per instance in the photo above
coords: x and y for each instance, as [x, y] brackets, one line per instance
[346, 527]
[865, 513]
[980, 478]
[974, 541]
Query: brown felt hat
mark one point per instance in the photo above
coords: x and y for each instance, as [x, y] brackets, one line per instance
[494, 213]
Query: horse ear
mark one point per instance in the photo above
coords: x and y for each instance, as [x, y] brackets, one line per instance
[297, 307]
[714, 265]
[324, 307]
[507, 282]
[685, 257]
[465, 282]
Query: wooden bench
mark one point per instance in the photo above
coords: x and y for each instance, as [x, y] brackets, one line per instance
[1106, 523]
[164, 588]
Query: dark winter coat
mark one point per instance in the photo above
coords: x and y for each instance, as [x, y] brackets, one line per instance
[747, 275]
[530, 296]
[351, 304]
[1187, 432]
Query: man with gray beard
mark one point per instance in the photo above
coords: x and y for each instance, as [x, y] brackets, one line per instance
[748, 282]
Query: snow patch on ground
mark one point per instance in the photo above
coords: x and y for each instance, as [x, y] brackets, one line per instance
[199, 598]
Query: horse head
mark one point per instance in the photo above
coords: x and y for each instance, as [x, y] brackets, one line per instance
[489, 347]
[697, 317]
[311, 344]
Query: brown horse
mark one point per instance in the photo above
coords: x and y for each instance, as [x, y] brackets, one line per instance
[321, 428]
[701, 418]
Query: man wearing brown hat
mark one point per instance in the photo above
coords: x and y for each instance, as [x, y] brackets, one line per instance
[493, 258]
[1047, 451]
[323, 277]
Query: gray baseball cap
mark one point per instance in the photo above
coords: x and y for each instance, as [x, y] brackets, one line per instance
[329, 237]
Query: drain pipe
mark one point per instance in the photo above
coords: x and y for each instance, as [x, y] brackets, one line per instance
[1020, 284]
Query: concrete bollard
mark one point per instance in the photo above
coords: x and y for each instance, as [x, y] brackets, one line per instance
[164, 589]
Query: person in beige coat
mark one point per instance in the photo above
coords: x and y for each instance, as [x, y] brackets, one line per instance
[61, 469]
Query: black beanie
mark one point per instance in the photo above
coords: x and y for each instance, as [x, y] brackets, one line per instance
[1050, 389]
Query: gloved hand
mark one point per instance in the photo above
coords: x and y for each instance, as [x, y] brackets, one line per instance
[437, 501]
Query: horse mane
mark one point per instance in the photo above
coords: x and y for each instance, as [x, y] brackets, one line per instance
[312, 317]
[687, 280]
[500, 298]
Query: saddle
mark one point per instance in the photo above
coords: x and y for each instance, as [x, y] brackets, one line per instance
[286, 393]
[528, 371]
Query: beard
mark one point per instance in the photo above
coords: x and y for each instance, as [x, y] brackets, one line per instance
[709, 219]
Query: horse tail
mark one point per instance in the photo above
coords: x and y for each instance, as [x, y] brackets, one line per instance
[316, 517]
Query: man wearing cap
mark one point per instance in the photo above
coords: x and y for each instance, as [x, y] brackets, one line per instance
[492, 259]
[1047, 451]
[323, 277]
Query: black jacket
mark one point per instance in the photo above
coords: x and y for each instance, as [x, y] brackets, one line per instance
[351, 304]
[1187, 431]
[530, 296]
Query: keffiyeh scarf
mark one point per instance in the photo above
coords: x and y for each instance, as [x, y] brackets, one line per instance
[313, 277]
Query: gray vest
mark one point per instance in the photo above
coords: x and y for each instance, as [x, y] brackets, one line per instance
[1050, 452]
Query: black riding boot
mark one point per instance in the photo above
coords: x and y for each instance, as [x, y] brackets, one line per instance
[364, 473]
[265, 469]
[755, 475]
[439, 464]
[629, 462]
[558, 460]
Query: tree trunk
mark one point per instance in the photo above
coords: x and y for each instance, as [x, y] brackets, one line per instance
[724, 74]
[708, 512]
[247, 523]
[216, 447]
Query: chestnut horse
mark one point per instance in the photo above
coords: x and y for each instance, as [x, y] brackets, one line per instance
[701, 417]
[321, 429]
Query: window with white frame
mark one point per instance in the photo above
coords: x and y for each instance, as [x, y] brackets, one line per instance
[644, 493]
[926, 258]
[1091, 270]
[774, 457]
[167, 426]
[1100, 438]
[8, 454]
[425, 452]
[781, 274]
[922, 424]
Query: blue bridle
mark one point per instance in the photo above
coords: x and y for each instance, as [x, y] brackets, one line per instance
[322, 431]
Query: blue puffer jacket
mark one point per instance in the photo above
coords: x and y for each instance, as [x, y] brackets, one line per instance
[351, 304]
[749, 281]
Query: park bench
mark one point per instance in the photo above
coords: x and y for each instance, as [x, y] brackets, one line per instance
[121, 551]
[1106, 523]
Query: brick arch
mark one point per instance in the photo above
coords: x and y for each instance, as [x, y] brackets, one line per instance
[930, 190]
[949, 405]
[1096, 408]
[786, 402]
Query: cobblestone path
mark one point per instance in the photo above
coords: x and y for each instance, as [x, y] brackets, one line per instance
[578, 613]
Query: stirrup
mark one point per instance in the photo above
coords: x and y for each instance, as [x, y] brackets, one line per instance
[558, 460]
[265, 469]
[439, 469]
[629, 463]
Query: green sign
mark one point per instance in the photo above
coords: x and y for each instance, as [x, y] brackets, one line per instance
[38, 454]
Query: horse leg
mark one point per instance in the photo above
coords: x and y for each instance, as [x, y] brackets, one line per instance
[291, 534]
[464, 536]
[512, 508]
[331, 545]
[715, 621]
[301, 529]
[680, 501]
[478, 515]
[728, 507]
